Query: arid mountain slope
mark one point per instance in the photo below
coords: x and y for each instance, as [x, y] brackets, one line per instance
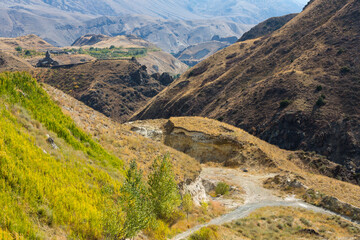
[31, 42]
[267, 27]
[116, 88]
[297, 88]
[8, 62]
[120, 140]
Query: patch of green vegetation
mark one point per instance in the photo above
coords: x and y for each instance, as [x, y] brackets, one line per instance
[321, 100]
[222, 188]
[26, 53]
[206, 233]
[112, 52]
[319, 88]
[344, 70]
[285, 103]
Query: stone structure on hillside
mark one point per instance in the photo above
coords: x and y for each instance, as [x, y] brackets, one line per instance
[47, 61]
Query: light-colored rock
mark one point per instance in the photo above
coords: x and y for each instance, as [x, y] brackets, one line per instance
[197, 191]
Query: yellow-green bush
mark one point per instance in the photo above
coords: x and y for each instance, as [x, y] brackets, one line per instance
[205, 233]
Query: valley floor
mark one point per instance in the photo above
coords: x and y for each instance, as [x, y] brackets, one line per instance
[255, 197]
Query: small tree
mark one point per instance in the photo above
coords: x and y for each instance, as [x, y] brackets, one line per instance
[187, 204]
[18, 49]
[135, 203]
[112, 47]
[163, 190]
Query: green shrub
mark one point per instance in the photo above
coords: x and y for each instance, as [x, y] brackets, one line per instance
[284, 103]
[222, 188]
[321, 101]
[319, 88]
[345, 70]
[206, 233]
[18, 49]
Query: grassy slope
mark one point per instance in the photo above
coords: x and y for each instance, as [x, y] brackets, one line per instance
[289, 223]
[69, 189]
[120, 140]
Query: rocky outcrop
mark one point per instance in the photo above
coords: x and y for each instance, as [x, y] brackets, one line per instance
[197, 191]
[204, 147]
[333, 204]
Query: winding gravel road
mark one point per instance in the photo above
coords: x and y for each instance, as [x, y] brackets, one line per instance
[255, 197]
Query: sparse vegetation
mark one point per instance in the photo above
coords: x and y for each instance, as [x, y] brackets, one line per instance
[321, 101]
[187, 204]
[284, 103]
[344, 70]
[222, 188]
[290, 223]
[206, 233]
[319, 88]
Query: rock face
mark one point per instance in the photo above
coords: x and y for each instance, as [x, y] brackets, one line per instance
[297, 88]
[47, 61]
[333, 204]
[197, 191]
[202, 146]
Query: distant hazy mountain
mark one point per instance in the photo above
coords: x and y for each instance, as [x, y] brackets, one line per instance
[172, 25]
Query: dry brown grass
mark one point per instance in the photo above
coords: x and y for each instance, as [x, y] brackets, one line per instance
[287, 222]
[122, 142]
[198, 216]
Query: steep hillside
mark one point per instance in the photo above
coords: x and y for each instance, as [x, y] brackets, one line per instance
[47, 166]
[8, 62]
[116, 88]
[156, 60]
[266, 27]
[297, 88]
[120, 140]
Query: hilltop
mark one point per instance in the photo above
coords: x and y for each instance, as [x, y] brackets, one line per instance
[297, 88]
